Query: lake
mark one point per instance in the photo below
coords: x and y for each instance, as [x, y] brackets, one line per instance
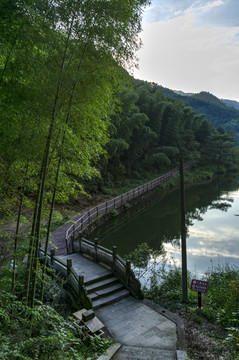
[212, 221]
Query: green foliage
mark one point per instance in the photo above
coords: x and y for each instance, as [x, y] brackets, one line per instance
[41, 333]
[222, 302]
[166, 288]
[140, 256]
[213, 109]
[150, 131]
[127, 205]
[223, 295]
[114, 213]
[158, 160]
[61, 64]
[57, 221]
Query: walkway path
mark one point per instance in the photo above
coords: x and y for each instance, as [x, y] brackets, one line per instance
[143, 333]
[143, 329]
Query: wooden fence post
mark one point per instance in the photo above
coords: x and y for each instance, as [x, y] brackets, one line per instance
[80, 283]
[127, 272]
[80, 239]
[66, 245]
[69, 266]
[52, 252]
[96, 241]
[72, 239]
[114, 258]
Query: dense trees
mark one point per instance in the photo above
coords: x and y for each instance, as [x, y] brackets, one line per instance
[214, 109]
[60, 67]
[151, 131]
[64, 91]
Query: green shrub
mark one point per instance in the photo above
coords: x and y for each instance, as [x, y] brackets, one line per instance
[41, 333]
[114, 213]
[127, 205]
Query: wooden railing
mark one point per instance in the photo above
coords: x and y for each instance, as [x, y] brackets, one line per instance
[85, 219]
[114, 262]
[74, 283]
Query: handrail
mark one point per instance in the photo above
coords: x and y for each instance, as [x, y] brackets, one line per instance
[112, 260]
[103, 208]
[70, 275]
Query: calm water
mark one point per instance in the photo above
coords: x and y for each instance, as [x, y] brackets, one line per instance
[212, 216]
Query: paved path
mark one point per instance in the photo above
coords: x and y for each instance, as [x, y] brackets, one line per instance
[58, 237]
[143, 333]
[85, 267]
[139, 326]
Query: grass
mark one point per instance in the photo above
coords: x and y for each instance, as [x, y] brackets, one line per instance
[196, 174]
[220, 304]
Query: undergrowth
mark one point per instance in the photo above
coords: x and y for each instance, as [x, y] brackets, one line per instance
[42, 333]
[220, 305]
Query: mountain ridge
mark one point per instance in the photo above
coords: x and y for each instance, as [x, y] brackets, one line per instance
[227, 102]
[220, 112]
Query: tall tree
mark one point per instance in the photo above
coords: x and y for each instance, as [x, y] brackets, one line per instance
[61, 64]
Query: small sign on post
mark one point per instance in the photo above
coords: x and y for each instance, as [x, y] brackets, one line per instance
[199, 286]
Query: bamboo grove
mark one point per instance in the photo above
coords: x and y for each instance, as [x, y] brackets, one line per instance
[151, 131]
[71, 113]
[61, 64]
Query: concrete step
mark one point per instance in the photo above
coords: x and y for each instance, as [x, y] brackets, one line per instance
[109, 299]
[95, 278]
[106, 291]
[143, 353]
[101, 284]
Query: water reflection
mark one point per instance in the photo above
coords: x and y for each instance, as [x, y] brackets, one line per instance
[212, 227]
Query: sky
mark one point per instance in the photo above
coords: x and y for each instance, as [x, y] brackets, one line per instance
[191, 45]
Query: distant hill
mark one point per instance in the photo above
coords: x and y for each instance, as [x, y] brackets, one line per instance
[231, 103]
[208, 98]
[182, 93]
[223, 113]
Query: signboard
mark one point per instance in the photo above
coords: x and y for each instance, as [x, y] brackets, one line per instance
[199, 285]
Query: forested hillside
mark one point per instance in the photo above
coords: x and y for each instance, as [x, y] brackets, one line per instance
[151, 131]
[231, 103]
[217, 111]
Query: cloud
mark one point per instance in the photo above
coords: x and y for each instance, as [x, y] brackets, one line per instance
[182, 54]
[219, 13]
[207, 12]
[161, 10]
[214, 4]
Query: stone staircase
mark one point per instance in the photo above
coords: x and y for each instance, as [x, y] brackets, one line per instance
[105, 290]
